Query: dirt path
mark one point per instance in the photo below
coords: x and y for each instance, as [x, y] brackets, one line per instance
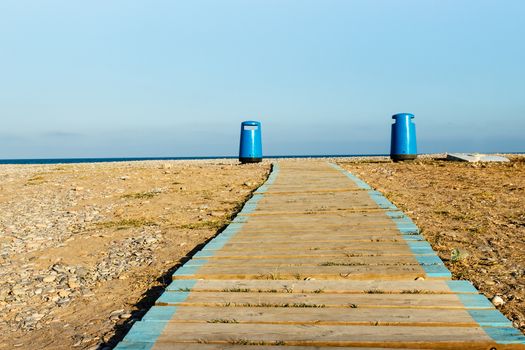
[86, 248]
[472, 214]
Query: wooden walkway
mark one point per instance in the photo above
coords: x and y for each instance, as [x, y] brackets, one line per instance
[316, 260]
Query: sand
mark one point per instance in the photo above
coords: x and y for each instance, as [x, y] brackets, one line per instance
[87, 248]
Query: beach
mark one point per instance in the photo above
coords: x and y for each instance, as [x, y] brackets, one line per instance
[87, 248]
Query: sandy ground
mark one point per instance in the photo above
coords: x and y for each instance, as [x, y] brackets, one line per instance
[87, 248]
[472, 214]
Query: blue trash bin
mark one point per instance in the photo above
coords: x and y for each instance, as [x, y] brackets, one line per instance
[403, 146]
[250, 150]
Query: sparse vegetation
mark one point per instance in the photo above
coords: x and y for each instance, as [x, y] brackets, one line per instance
[217, 224]
[333, 263]
[223, 320]
[416, 291]
[35, 180]
[264, 304]
[237, 290]
[142, 195]
[243, 341]
[126, 223]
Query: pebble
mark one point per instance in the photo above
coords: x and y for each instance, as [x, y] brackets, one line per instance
[18, 291]
[73, 284]
[497, 301]
[49, 278]
[117, 312]
[63, 293]
[125, 316]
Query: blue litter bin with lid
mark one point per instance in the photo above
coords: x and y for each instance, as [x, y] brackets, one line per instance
[403, 146]
[250, 150]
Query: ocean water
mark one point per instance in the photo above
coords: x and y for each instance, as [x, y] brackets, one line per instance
[131, 159]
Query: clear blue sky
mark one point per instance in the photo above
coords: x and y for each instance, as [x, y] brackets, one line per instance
[176, 78]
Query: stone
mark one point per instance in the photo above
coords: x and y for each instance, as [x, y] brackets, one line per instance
[18, 291]
[117, 312]
[73, 284]
[37, 317]
[49, 278]
[63, 293]
[458, 255]
[498, 301]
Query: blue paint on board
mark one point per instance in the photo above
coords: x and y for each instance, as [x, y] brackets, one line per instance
[181, 285]
[186, 271]
[489, 318]
[145, 332]
[461, 287]
[396, 214]
[475, 301]
[413, 237]
[506, 335]
[408, 230]
[436, 271]
[360, 183]
[160, 313]
[419, 245]
[196, 262]
[204, 254]
[381, 200]
[170, 298]
[239, 219]
[429, 260]
[133, 346]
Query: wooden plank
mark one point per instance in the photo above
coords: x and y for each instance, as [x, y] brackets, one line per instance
[322, 300]
[326, 286]
[202, 346]
[317, 211]
[217, 254]
[377, 246]
[334, 218]
[302, 272]
[292, 238]
[325, 316]
[314, 261]
[286, 237]
[321, 335]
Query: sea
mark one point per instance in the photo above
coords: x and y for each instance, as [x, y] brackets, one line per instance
[132, 159]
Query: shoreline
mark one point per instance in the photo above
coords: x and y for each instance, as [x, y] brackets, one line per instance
[58, 161]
